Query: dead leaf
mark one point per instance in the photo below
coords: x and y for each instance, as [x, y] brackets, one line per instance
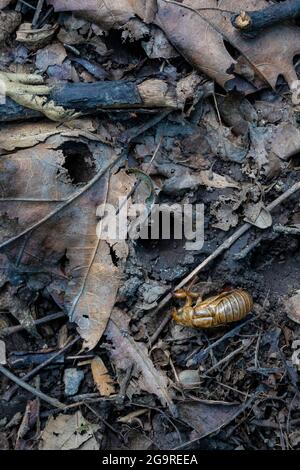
[9, 21]
[213, 180]
[157, 46]
[28, 135]
[292, 306]
[54, 54]
[69, 432]
[199, 36]
[55, 219]
[207, 417]
[34, 39]
[126, 352]
[225, 216]
[72, 5]
[270, 53]
[258, 215]
[102, 378]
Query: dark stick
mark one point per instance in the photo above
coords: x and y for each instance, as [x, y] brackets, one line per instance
[16, 329]
[198, 357]
[99, 96]
[254, 21]
[11, 391]
[52, 401]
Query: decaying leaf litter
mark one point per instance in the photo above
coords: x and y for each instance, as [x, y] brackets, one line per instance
[213, 121]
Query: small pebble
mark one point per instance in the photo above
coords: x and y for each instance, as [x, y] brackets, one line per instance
[72, 380]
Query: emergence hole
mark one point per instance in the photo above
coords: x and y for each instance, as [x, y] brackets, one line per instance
[79, 162]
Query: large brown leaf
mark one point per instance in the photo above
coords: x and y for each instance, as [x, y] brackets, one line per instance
[126, 352]
[48, 228]
[207, 417]
[200, 36]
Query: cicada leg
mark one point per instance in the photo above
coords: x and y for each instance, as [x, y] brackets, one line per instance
[185, 294]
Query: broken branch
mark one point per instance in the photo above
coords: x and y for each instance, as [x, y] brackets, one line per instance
[86, 98]
[254, 21]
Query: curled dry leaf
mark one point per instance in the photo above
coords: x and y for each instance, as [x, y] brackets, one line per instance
[199, 36]
[203, 178]
[69, 432]
[102, 378]
[258, 215]
[292, 306]
[49, 224]
[15, 137]
[9, 21]
[54, 54]
[207, 417]
[225, 216]
[34, 39]
[126, 351]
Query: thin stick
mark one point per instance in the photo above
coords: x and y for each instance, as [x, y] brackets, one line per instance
[37, 13]
[16, 329]
[197, 358]
[11, 391]
[223, 247]
[29, 388]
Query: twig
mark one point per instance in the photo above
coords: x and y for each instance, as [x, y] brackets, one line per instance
[52, 401]
[223, 247]
[286, 229]
[37, 13]
[227, 358]
[16, 329]
[202, 354]
[11, 391]
[253, 21]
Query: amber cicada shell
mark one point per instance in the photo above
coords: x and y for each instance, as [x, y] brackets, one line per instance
[221, 309]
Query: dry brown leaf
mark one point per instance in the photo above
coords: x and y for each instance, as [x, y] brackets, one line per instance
[225, 215]
[199, 36]
[213, 180]
[207, 417]
[9, 21]
[26, 135]
[292, 306]
[46, 219]
[102, 378]
[69, 432]
[126, 351]
[34, 39]
[54, 54]
[258, 215]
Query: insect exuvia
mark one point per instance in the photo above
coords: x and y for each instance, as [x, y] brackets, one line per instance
[218, 310]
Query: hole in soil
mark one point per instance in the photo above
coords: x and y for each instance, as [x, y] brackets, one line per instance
[161, 257]
[79, 162]
[295, 161]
